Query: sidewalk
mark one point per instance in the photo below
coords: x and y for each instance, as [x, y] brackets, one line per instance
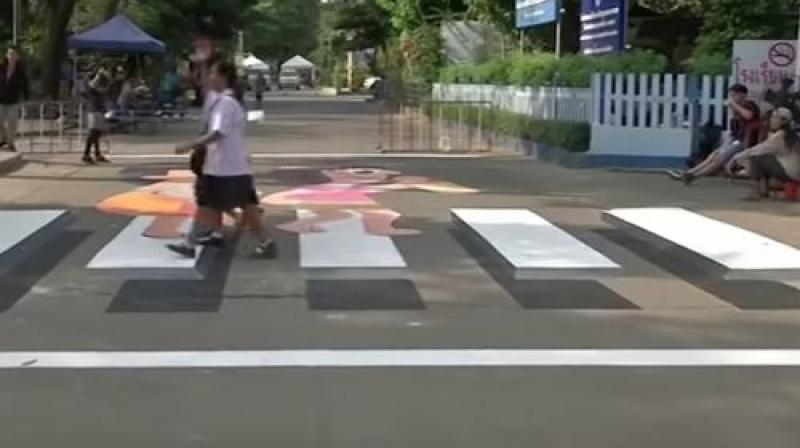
[10, 161]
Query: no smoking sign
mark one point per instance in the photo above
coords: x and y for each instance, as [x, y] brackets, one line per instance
[782, 54]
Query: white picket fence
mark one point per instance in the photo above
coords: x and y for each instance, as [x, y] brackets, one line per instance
[631, 113]
[544, 103]
[652, 115]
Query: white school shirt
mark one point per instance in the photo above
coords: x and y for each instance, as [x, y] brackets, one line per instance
[228, 156]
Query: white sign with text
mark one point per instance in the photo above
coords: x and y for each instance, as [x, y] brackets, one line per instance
[762, 64]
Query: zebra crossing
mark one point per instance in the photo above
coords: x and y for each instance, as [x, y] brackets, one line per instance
[536, 262]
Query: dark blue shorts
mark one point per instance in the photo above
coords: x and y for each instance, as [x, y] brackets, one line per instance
[223, 193]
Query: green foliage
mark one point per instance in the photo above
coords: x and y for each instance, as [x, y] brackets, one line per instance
[538, 69]
[710, 64]
[276, 30]
[416, 54]
[727, 20]
[543, 69]
[573, 137]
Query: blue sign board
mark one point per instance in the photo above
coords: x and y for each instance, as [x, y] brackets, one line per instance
[603, 26]
[536, 12]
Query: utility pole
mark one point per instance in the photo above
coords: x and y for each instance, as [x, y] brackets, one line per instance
[559, 13]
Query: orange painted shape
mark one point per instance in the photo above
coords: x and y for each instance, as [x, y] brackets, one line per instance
[139, 203]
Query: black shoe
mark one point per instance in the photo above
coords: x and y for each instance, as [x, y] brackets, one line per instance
[211, 239]
[101, 159]
[88, 160]
[3, 143]
[183, 249]
[688, 178]
[267, 249]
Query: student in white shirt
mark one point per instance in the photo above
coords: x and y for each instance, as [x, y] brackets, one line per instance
[226, 182]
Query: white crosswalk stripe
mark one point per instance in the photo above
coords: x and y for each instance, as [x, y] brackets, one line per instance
[18, 225]
[343, 249]
[744, 253]
[130, 249]
[532, 248]
[531, 245]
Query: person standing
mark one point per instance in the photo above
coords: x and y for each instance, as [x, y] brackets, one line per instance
[96, 104]
[14, 87]
[226, 183]
[260, 87]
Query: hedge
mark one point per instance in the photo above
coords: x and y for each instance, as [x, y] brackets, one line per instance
[573, 137]
[544, 69]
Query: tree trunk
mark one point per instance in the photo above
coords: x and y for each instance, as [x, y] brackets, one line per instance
[59, 13]
[112, 7]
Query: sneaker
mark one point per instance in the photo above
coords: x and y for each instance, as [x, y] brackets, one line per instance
[183, 249]
[675, 174]
[101, 159]
[88, 160]
[267, 249]
[211, 239]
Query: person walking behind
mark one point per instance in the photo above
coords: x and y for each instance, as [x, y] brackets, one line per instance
[227, 181]
[96, 104]
[260, 87]
[13, 88]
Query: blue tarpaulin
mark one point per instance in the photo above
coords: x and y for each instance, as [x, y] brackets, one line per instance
[117, 34]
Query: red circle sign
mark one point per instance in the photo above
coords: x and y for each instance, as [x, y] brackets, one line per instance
[782, 54]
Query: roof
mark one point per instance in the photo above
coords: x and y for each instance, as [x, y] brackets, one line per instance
[253, 63]
[298, 62]
[118, 33]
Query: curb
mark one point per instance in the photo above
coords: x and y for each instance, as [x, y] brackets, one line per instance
[10, 162]
[569, 159]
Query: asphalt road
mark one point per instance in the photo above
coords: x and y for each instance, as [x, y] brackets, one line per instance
[453, 297]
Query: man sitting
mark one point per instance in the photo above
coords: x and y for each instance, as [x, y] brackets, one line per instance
[745, 127]
[777, 158]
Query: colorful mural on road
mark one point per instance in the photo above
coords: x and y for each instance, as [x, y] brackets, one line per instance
[352, 191]
[348, 191]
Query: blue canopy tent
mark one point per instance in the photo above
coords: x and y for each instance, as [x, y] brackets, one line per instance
[116, 34]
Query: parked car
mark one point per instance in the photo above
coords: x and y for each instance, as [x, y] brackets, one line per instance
[289, 79]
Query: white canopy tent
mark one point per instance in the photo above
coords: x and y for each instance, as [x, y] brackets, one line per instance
[298, 63]
[253, 63]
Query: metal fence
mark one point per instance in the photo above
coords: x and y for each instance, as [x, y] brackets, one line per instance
[544, 103]
[440, 126]
[51, 127]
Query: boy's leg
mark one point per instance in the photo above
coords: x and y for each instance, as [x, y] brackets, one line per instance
[266, 245]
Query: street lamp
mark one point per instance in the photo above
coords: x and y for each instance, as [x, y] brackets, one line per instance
[15, 7]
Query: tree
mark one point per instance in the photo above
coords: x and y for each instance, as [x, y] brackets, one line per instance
[58, 13]
[366, 24]
[280, 29]
[727, 20]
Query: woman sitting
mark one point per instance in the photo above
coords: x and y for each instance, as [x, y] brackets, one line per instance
[777, 158]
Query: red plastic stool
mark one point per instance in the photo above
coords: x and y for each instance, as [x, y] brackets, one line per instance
[790, 191]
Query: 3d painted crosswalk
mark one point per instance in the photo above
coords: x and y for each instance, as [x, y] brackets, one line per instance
[531, 245]
[130, 250]
[18, 225]
[343, 249]
[744, 254]
[531, 248]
